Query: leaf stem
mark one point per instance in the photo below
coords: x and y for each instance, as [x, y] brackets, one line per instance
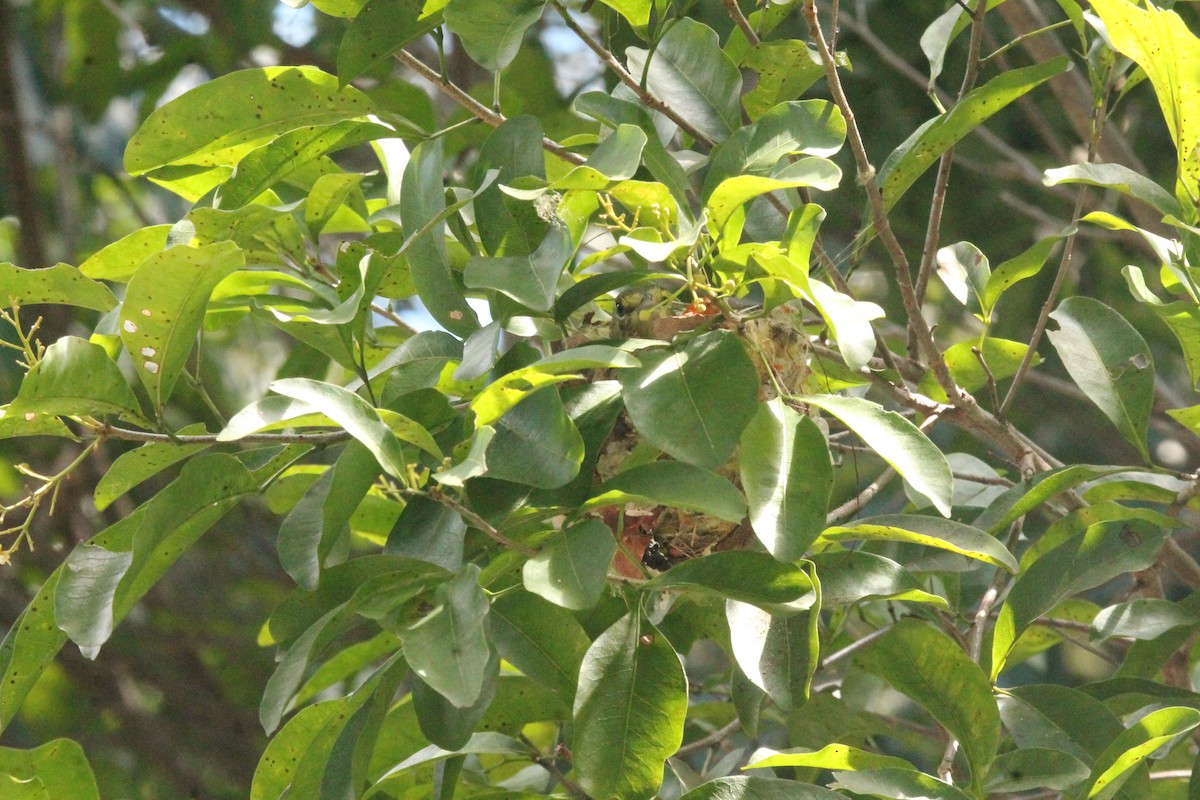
[623, 75]
[460, 96]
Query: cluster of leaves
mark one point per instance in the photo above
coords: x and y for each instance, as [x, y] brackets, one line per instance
[505, 533]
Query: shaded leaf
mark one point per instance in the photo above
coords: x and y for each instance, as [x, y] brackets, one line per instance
[492, 30]
[75, 378]
[1110, 361]
[751, 788]
[572, 571]
[674, 484]
[539, 638]
[629, 711]
[744, 576]
[448, 647]
[776, 653]
[381, 28]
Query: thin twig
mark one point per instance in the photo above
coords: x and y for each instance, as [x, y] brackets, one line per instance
[624, 76]
[478, 109]
[855, 504]
[129, 435]
[739, 19]
[866, 176]
[474, 520]
[716, 737]
[853, 647]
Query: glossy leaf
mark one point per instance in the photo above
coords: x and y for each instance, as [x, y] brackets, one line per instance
[541, 639]
[674, 484]
[354, 414]
[536, 444]
[1035, 768]
[492, 30]
[752, 788]
[926, 665]
[694, 400]
[734, 192]
[897, 783]
[693, 76]
[287, 746]
[629, 711]
[910, 160]
[135, 466]
[445, 724]
[448, 647]
[785, 67]
[1017, 269]
[422, 204]
[380, 29]
[943, 534]
[61, 284]
[1098, 554]
[75, 378]
[572, 571]
[834, 756]
[59, 765]
[164, 308]
[103, 578]
[204, 128]
[747, 577]
[531, 280]
[775, 653]
[1144, 618]
[1138, 742]
[852, 575]
[1110, 361]
[429, 531]
[787, 475]
[898, 442]
[1118, 177]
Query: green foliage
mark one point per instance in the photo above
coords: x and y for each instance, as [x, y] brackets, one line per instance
[627, 515]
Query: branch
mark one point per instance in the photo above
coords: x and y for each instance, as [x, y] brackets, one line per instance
[129, 435]
[478, 109]
[474, 520]
[946, 162]
[866, 176]
[856, 503]
[623, 75]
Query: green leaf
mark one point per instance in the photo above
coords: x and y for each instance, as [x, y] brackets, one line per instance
[536, 444]
[31, 423]
[926, 665]
[637, 12]
[203, 128]
[691, 73]
[898, 442]
[776, 653]
[747, 577]
[269, 164]
[1136, 744]
[354, 414]
[833, 756]
[33, 640]
[783, 461]
[119, 260]
[1118, 177]
[61, 284]
[448, 647]
[1162, 44]
[674, 484]
[1099, 553]
[446, 724]
[893, 782]
[853, 575]
[1144, 618]
[1183, 318]
[492, 30]
[751, 788]
[944, 534]
[1035, 768]
[735, 192]
[135, 466]
[1018, 268]
[785, 67]
[572, 571]
[965, 271]
[1059, 718]
[75, 378]
[59, 765]
[422, 202]
[380, 29]
[103, 578]
[429, 531]
[629, 711]
[693, 400]
[1110, 361]
[164, 307]
[473, 464]
[910, 160]
[539, 638]
[286, 748]
[1027, 496]
[531, 280]
[811, 127]
[1003, 358]
[289, 673]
